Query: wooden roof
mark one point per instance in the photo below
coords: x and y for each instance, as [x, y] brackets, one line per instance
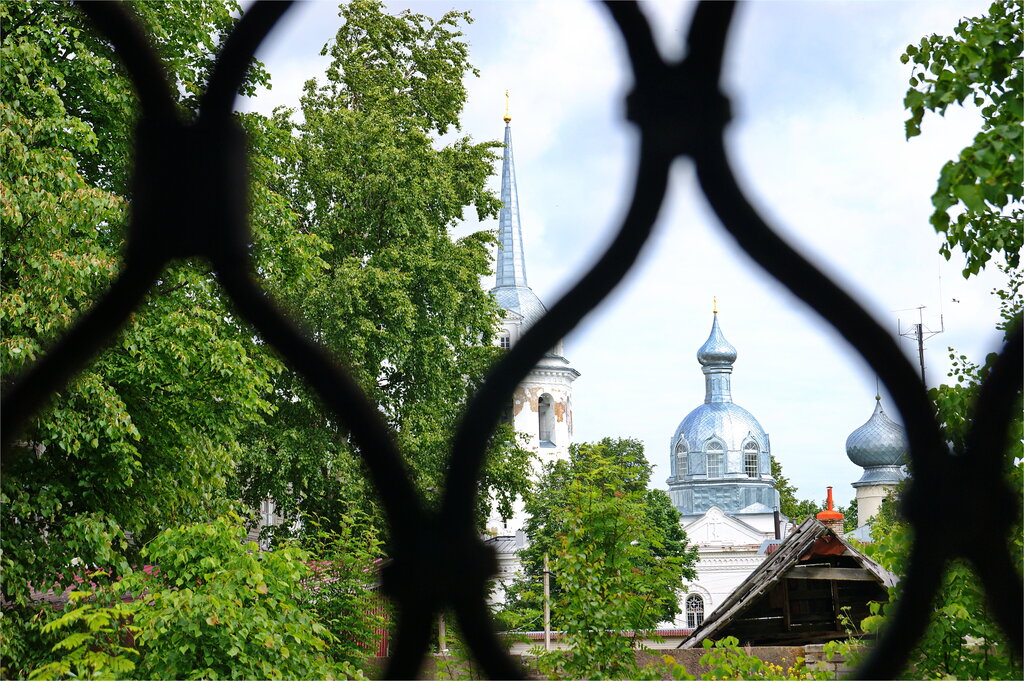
[811, 552]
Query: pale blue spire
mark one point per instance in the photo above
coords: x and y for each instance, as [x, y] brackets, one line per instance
[716, 357]
[511, 265]
[511, 291]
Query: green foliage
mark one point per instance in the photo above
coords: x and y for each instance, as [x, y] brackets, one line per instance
[804, 509]
[398, 300]
[797, 510]
[618, 557]
[455, 661]
[789, 506]
[1011, 300]
[343, 588]
[962, 640]
[980, 64]
[850, 520]
[23, 645]
[146, 436]
[95, 646]
[212, 607]
[55, 66]
[350, 216]
[724, 659]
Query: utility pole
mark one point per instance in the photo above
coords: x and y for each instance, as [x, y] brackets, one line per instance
[919, 332]
[547, 605]
[442, 638]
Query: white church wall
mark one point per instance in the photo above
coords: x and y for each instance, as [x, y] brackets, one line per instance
[527, 400]
[869, 501]
[718, 575]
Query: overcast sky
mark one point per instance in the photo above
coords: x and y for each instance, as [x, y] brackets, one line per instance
[818, 144]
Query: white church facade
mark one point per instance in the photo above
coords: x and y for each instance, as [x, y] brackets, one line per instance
[721, 484]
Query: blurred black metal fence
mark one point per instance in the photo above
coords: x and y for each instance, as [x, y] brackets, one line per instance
[439, 561]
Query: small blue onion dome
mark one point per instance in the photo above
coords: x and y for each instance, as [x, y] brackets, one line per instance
[879, 442]
[716, 351]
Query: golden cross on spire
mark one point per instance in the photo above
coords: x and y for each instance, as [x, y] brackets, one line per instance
[507, 117]
[715, 308]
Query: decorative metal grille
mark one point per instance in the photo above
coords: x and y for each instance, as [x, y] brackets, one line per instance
[439, 561]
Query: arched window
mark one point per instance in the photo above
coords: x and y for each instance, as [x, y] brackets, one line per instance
[694, 611]
[504, 340]
[682, 465]
[716, 459]
[751, 465]
[546, 419]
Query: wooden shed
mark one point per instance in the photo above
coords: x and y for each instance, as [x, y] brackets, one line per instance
[798, 594]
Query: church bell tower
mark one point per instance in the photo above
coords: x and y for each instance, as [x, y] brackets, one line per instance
[541, 405]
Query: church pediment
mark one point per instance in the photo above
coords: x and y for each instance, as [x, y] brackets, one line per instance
[511, 316]
[716, 528]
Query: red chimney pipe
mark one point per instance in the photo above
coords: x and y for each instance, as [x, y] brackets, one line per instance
[830, 513]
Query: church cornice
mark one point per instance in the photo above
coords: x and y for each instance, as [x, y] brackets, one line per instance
[701, 479]
[722, 564]
[554, 371]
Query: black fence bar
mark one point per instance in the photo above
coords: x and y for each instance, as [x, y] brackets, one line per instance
[680, 111]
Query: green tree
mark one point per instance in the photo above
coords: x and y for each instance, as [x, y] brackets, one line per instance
[797, 510]
[342, 591]
[978, 199]
[618, 556]
[850, 519]
[146, 436]
[210, 607]
[962, 640]
[166, 427]
[399, 300]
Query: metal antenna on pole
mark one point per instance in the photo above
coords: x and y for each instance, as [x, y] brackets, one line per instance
[919, 332]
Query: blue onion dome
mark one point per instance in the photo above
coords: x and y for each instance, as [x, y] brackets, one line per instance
[716, 351]
[879, 442]
[720, 454]
[727, 422]
[719, 418]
